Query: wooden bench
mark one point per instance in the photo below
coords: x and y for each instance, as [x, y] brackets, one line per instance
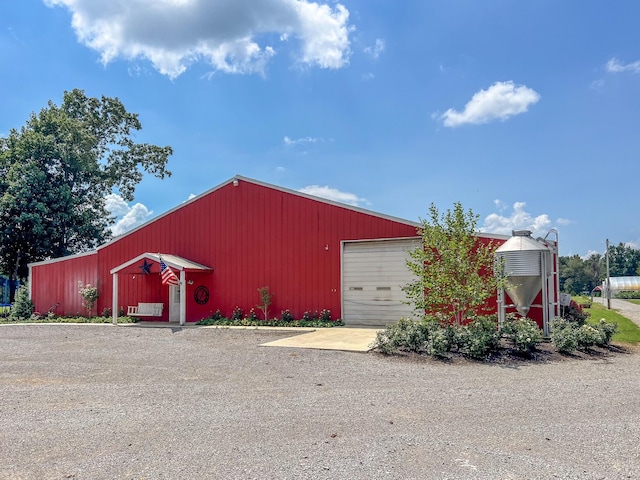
[145, 310]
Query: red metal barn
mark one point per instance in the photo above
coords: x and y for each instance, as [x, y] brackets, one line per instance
[223, 245]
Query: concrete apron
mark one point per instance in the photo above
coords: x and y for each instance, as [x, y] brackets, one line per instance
[335, 338]
[348, 339]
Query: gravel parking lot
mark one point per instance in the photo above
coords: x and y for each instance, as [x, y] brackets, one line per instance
[105, 402]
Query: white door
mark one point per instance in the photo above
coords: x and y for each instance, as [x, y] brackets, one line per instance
[174, 303]
[373, 274]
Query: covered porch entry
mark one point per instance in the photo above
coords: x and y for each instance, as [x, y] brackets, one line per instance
[177, 300]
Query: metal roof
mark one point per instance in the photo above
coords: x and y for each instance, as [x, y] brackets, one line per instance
[173, 261]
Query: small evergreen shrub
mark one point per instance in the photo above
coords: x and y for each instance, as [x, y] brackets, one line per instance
[22, 308]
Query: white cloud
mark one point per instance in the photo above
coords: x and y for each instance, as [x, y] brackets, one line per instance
[297, 141]
[116, 205]
[230, 35]
[518, 220]
[499, 102]
[127, 217]
[376, 49]
[590, 253]
[614, 66]
[333, 194]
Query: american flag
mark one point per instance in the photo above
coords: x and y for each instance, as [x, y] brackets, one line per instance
[167, 275]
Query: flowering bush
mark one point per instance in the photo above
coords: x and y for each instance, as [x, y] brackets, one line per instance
[325, 315]
[587, 337]
[309, 316]
[89, 295]
[607, 330]
[575, 313]
[478, 338]
[252, 315]
[237, 314]
[523, 333]
[563, 335]
[287, 316]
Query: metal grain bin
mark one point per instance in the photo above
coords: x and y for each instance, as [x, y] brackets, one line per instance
[524, 260]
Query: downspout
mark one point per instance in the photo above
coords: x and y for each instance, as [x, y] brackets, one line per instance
[183, 299]
[114, 300]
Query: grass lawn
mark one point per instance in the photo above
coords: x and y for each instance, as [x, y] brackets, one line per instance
[637, 302]
[628, 332]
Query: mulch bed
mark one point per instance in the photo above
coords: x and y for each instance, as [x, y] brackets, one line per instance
[545, 352]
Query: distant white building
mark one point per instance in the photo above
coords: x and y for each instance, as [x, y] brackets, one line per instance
[622, 284]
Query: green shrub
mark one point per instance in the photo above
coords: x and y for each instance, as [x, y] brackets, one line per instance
[238, 314]
[587, 336]
[563, 335]
[628, 295]
[405, 335]
[22, 308]
[438, 342]
[523, 333]
[479, 338]
[607, 330]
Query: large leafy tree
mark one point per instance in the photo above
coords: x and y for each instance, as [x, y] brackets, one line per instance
[575, 277]
[453, 269]
[56, 171]
[624, 261]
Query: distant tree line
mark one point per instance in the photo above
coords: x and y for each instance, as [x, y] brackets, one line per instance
[581, 275]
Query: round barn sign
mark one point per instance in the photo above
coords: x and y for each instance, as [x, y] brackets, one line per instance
[201, 295]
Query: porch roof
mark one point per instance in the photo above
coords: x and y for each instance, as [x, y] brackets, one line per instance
[173, 261]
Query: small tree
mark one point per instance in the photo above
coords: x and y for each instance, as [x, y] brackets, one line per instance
[89, 295]
[453, 269]
[265, 298]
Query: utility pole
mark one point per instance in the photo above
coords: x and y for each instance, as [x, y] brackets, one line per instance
[608, 278]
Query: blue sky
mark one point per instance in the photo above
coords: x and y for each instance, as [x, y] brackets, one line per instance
[525, 112]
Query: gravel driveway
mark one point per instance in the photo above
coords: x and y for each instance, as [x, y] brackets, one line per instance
[105, 402]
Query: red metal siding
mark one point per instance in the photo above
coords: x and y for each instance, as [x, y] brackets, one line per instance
[253, 236]
[54, 286]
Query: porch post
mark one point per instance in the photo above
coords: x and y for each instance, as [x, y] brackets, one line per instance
[114, 300]
[183, 298]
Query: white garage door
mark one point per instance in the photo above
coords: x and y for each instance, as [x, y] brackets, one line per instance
[373, 273]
